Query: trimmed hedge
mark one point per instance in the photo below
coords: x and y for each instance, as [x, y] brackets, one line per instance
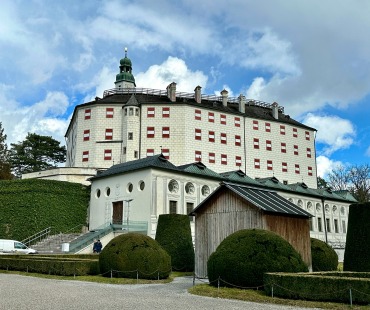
[357, 251]
[134, 255]
[243, 257]
[174, 235]
[320, 286]
[50, 265]
[324, 258]
[31, 205]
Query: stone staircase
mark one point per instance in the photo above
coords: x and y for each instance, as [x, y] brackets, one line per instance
[53, 244]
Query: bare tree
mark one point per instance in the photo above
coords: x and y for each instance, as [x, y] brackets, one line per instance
[338, 179]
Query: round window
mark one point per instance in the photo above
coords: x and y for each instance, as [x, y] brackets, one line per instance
[173, 186]
[205, 190]
[327, 208]
[107, 191]
[130, 187]
[318, 207]
[97, 193]
[309, 206]
[189, 188]
[342, 210]
[141, 185]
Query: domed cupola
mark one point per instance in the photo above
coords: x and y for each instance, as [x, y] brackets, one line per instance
[125, 78]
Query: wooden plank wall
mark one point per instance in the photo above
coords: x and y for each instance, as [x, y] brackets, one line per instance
[223, 215]
[295, 230]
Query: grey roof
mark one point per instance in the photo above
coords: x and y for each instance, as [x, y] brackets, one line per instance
[199, 168]
[274, 183]
[240, 177]
[346, 195]
[268, 201]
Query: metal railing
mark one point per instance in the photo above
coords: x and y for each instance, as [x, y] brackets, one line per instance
[43, 234]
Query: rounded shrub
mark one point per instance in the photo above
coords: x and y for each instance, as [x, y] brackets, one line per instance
[132, 253]
[324, 258]
[242, 258]
[174, 235]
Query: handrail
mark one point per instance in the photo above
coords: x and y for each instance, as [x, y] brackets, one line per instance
[38, 236]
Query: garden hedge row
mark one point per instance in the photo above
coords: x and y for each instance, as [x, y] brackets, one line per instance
[50, 265]
[320, 286]
[31, 205]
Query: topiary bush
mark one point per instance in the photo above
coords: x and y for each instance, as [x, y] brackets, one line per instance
[131, 255]
[357, 251]
[174, 235]
[324, 258]
[243, 257]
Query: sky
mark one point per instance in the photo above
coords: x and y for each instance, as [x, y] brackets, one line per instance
[312, 57]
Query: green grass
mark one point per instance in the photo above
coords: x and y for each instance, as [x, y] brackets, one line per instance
[261, 297]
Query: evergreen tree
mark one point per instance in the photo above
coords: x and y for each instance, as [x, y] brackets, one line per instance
[5, 173]
[36, 153]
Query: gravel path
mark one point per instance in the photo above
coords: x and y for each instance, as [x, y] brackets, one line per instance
[22, 292]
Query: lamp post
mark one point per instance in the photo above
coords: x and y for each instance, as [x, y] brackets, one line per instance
[128, 212]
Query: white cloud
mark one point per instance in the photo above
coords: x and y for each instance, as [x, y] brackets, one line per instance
[336, 133]
[325, 165]
[256, 88]
[171, 70]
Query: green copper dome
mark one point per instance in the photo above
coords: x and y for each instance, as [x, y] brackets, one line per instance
[125, 73]
[126, 62]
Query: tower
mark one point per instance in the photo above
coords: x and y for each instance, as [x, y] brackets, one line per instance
[125, 79]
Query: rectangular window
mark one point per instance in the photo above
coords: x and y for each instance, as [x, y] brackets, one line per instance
[109, 112]
[309, 152]
[211, 136]
[255, 125]
[131, 112]
[267, 127]
[85, 156]
[198, 155]
[108, 134]
[223, 119]
[198, 115]
[238, 141]
[87, 113]
[269, 165]
[311, 223]
[295, 133]
[149, 152]
[130, 136]
[284, 167]
[211, 117]
[189, 209]
[166, 153]
[165, 112]
[319, 224]
[223, 159]
[223, 138]
[282, 129]
[257, 163]
[173, 207]
[295, 149]
[310, 171]
[268, 145]
[211, 158]
[238, 161]
[151, 112]
[336, 227]
[136, 154]
[256, 143]
[344, 227]
[297, 169]
[307, 134]
[124, 150]
[87, 135]
[283, 147]
[165, 132]
[328, 228]
[150, 132]
[237, 121]
[107, 154]
[198, 134]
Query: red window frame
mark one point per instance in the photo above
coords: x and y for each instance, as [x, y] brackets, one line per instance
[223, 138]
[257, 163]
[283, 147]
[295, 133]
[256, 143]
[267, 127]
[149, 152]
[269, 165]
[198, 155]
[165, 112]
[297, 169]
[237, 121]
[223, 159]
[255, 125]
[307, 135]
[165, 132]
[166, 153]
[310, 171]
[238, 161]
[150, 112]
[211, 158]
[223, 119]
[150, 132]
[109, 112]
[282, 129]
[107, 154]
[309, 153]
[85, 156]
[268, 145]
[284, 167]
[108, 134]
[296, 150]
[238, 140]
[211, 117]
[211, 136]
[86, 136]
[87, 113]
[198, 134]
[198, 114]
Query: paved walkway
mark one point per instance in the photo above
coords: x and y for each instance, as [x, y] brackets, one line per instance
[22, 292]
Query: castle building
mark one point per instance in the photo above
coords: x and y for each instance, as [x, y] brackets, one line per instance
[224, 133]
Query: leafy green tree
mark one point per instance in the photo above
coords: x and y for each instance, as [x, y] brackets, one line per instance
[36, 153]
[5, 173]
[321, 183]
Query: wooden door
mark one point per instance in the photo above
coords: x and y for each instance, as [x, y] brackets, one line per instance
[117, 217]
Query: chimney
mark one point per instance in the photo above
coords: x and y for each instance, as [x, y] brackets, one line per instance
[242, 102]
[224, 94]
[275, 110]
[198, 94]
[171, 91]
